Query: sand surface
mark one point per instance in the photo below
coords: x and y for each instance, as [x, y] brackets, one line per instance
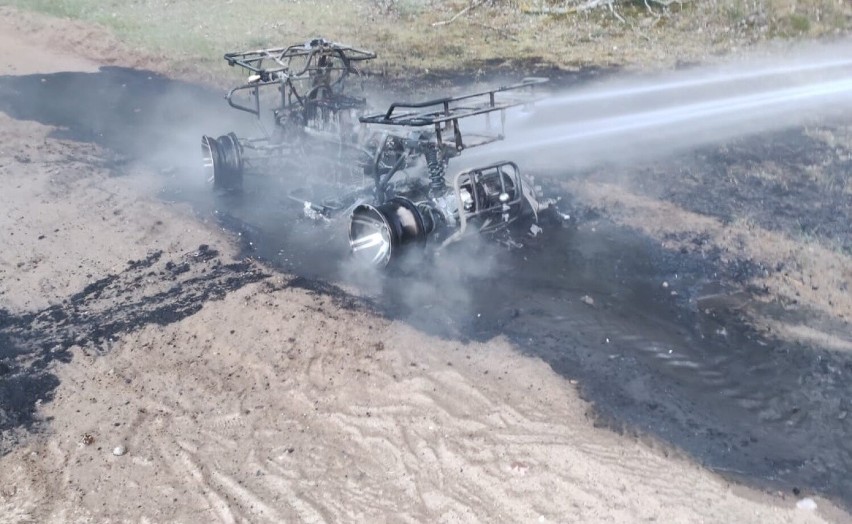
[267, 402]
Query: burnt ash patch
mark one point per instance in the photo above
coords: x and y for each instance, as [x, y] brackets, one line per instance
[497, 71]
[148, 291]
[339, 297]
[787, 181]
[680, 369]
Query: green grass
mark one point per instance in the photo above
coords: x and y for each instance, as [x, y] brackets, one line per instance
[195, 33]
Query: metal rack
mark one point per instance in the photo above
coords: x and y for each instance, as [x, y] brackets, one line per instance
[444, 113]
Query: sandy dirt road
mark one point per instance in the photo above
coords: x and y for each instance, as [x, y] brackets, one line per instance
[237, 393]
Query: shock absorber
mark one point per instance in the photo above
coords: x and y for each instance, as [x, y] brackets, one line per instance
[437, 169]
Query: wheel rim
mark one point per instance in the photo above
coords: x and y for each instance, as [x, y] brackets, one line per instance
[209, 154]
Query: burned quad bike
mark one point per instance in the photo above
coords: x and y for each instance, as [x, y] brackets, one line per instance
[306, 86]
[389, 170]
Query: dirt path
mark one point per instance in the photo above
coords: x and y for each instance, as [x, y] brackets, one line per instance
[237, 393]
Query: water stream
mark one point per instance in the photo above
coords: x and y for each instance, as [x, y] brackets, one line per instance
[643, 117]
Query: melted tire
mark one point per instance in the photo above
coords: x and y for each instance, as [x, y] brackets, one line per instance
[228, 175]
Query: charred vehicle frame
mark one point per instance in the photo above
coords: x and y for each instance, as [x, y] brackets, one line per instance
[385, 171]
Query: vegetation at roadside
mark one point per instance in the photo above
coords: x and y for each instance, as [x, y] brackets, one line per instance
[418, 35]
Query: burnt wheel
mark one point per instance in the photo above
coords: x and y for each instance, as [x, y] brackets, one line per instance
[223, 163]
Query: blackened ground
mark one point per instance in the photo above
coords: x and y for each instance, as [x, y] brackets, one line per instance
[770, 180]
[147, 291]
[588, 301]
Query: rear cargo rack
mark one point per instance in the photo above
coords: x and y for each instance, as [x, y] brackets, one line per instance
[444, 113]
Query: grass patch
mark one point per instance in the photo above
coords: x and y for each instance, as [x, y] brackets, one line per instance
[414, 35]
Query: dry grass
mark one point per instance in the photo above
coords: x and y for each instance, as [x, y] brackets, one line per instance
[195, 33]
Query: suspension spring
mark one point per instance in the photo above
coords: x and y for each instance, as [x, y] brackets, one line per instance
[437, 169]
